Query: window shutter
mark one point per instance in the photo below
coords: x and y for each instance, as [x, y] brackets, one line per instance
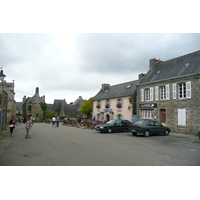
[151, 94]
[122, 102]
[122, 117]
[188, 89]
[167, 92]
[174, 91]
[110, 103]
[156, 93]
[182, 117]
[142, 94]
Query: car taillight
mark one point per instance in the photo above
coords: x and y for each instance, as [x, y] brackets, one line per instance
[138, 127]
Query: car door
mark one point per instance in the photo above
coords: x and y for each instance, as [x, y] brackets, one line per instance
[158, 127]
[151, 127]
[124, 126]
[118, 125]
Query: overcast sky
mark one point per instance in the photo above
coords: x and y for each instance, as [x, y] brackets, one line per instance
[66, 66]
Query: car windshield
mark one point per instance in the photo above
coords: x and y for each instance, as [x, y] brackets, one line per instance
[140, 122]
[111, 122]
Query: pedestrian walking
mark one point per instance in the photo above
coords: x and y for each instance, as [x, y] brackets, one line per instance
[12, 126]
[53, 122]
[57, 121]
[28, 127]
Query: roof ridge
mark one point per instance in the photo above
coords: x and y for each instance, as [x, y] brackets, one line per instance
[180, 56]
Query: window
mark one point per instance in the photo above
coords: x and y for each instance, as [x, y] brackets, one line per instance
[182, 90]
[147, 114]
[162, 92]
[29, 108]
[147, 94]
[107, 104]
[119, 103]
[119, 117]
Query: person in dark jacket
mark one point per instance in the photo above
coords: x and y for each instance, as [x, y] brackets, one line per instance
[12, 126]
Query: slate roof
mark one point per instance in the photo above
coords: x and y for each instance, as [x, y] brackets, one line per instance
[70, 109]
[57, 105]
[185, 65]
[116, 91]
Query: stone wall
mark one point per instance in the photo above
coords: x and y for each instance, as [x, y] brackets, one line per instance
[192, 105]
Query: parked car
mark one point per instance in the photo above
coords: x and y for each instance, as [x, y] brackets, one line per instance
[114, 125]
[149, 127]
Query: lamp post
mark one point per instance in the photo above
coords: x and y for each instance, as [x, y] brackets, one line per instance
[2, 75]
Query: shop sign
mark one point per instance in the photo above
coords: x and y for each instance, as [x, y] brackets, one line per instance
[148, 105]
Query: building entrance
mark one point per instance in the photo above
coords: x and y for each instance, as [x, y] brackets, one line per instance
[162, 116]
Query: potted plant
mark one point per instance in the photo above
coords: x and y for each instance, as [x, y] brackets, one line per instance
[98, 106]
[107, 105]
[119, 105]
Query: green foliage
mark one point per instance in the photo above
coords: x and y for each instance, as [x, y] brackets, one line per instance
[46, 113]
[87, 108]
[43, 106]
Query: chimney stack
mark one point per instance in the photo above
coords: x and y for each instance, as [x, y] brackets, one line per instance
[153, 62]
[104, 86]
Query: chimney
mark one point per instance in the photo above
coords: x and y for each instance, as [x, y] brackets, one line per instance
[104, 86]
[153, 62]
[140, 76]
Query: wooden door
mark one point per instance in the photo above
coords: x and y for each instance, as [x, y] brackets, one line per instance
[162, 116]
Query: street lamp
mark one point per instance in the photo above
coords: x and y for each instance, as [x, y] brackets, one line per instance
[2, 75]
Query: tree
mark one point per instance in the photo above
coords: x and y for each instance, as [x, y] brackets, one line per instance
[87, 108]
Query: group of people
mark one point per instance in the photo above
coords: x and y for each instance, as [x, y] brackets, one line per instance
[55, 121]
[28, 125]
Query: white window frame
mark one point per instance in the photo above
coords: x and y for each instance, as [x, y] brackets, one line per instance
[182, 90]
[147, 114]
[147, 94]
[162, 92]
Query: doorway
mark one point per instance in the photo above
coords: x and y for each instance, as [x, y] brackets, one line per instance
[162, 116]
[107, 117]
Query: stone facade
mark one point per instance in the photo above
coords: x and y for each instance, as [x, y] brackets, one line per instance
[31, 106]
[170, 93]
[3, 108]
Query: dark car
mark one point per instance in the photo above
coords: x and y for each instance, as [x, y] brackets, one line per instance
[114, 125]
[149, 127]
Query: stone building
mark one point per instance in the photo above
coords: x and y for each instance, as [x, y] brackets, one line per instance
[3, 108]
[7, 101]
[170, 93]
[31, 106]
[61, 108]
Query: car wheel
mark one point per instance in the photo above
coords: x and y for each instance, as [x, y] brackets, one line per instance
[109, 130]
[166, 132]
[146, 133]
[134, 134]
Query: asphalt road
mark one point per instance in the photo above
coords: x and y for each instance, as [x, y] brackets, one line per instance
[71, 146]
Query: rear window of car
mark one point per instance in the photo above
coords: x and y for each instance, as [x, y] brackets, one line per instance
[140, 122]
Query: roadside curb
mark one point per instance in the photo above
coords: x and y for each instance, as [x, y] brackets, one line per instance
[2, 133]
